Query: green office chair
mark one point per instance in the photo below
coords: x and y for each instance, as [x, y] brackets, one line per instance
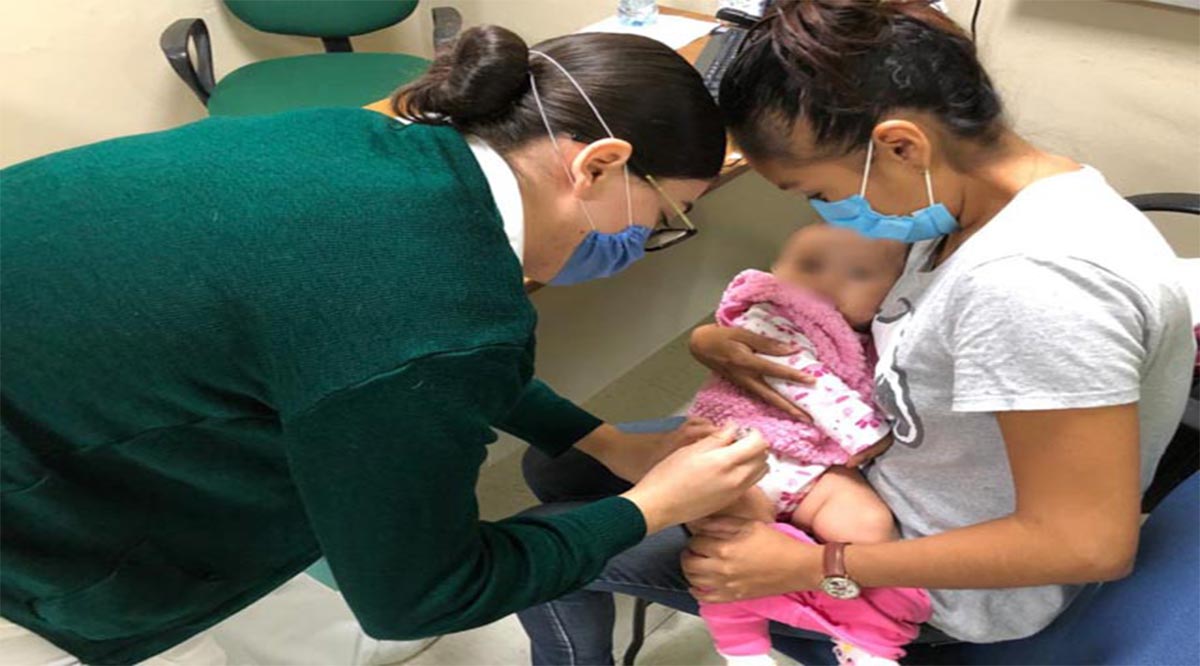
[338, 77]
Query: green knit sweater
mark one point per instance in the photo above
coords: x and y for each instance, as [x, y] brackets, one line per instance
[235, 346]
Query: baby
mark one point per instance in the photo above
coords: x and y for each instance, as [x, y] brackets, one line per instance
[822, 293]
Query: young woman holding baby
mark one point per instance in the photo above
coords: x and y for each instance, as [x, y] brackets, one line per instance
[1033, 352]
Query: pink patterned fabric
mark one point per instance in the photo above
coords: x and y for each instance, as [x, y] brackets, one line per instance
[838, 347]
[880, 621]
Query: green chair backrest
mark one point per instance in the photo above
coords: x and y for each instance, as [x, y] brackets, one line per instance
[321, 18]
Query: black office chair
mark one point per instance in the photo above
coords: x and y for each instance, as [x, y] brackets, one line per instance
[1179, 462]
[1182, 457]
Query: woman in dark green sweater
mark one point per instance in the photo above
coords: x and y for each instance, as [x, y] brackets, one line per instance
[235, 346]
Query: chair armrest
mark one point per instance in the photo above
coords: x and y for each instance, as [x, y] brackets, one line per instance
[1172, 202]
[174, 43]
[447, 22]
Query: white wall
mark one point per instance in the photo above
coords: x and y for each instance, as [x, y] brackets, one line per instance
[79, 71]
[1112, 83]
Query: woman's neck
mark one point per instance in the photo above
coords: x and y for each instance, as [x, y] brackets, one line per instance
[993, 179]
[548, 229]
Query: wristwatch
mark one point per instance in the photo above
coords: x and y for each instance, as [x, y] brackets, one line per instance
[836, 583]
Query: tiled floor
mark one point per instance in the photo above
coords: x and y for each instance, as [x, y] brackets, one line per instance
[660, 386]
[674, 639]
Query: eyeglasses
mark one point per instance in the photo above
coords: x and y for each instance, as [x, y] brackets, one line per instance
[669, 232]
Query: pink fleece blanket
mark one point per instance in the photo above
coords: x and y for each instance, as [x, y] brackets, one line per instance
[835, 344]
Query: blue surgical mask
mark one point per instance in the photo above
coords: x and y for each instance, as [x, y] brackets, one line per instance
[856, 213]
[600, 255]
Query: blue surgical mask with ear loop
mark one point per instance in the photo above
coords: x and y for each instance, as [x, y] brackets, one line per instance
[600, 254]
[856, 213]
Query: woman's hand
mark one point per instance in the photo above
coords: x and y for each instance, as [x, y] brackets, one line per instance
[630, 455]
[731, 353]
[863, 457]
[700, 479]
[752, 505]
[730, 559]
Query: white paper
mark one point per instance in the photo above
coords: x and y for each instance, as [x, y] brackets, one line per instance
[674, 31]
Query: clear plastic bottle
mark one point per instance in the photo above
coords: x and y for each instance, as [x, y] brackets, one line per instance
[637, 12]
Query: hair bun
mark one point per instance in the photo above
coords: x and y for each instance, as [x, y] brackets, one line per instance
[480, 76]
[822, 33]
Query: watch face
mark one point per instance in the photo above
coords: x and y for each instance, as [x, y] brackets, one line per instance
[840, 587]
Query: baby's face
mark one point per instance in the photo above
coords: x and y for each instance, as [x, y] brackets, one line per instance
[852, 272]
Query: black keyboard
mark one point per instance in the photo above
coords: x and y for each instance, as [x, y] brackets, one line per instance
[718, 53]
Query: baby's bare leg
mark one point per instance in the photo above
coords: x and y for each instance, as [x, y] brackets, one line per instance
[842, 507]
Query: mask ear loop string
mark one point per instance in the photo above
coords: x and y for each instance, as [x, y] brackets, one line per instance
[862, 190]
[595, 112]
[562, 160]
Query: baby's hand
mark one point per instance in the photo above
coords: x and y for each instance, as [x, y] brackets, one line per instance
[752, 505]
[866, 455]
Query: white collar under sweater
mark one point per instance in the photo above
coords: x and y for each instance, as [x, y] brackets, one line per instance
[505, 191]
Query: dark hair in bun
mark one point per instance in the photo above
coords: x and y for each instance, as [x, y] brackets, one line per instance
[478, 77]
[842, 65]
[648, 94]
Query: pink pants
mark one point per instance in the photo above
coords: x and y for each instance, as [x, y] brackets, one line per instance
[880, 621]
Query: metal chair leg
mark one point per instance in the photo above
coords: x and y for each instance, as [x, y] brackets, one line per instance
[638, 635]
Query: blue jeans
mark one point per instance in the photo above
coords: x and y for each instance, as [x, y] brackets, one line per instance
[576, 629]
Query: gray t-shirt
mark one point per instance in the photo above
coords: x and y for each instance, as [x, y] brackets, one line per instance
[1066, 299]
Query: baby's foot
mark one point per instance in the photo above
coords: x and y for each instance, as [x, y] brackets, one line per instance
[849, 655]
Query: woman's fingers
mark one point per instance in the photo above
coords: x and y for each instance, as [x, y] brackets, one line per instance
[750, 448]
[706, 595]
[702, 571]
[718, 527]
[721, 437]
[698, 480]
[863, 457]
[696, 429]
[755, 385]
[761, 344]
[748, 458]
[699, 556]
[762, 366]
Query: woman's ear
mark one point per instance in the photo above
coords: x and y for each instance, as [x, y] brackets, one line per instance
[596, 163]
[904, 142]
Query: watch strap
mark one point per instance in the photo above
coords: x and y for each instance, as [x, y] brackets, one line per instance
[834, 559]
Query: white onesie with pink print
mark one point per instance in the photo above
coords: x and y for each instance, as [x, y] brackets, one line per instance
[844, 422]
[835, 408]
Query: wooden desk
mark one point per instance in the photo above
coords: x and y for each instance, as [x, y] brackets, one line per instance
[734, 165]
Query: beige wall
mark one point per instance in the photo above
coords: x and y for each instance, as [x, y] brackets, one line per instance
[78, 71]
[1112, 83]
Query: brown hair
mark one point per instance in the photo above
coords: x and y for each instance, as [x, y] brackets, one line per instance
[648, 94]
[842, 65]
